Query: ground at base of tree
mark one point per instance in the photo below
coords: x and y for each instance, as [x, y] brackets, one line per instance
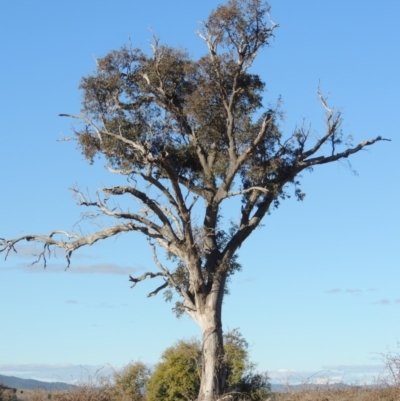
[356, 393]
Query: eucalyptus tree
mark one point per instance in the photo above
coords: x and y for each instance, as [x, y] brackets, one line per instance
[191, 134]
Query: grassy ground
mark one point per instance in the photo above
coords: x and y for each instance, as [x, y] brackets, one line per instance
[347, 394]
[88, 393]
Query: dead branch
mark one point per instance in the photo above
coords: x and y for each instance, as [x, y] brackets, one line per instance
[136, 280]
[80, 241]
[346, 153]
[156, 291]
[171, 280]
[244, 191]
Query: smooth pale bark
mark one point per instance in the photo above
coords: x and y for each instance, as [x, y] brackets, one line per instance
[208, 316]
[213, 369]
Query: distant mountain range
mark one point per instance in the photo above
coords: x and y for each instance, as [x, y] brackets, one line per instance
[30, 384]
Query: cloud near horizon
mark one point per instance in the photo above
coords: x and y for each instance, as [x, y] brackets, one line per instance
[382, 302]
[349, 374]
[57, 372]
[343, 291]
[98, 268]
[348, 291]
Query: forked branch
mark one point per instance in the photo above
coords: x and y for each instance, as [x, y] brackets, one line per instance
[136, 280]
[76, 242]
[346, 153]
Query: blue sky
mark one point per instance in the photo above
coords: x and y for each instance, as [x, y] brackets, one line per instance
[319, 288]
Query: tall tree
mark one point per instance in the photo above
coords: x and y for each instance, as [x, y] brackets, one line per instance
[190, 134]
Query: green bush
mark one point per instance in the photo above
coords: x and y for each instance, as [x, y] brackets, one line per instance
[243, 382]
[177, 376]
[131, 382]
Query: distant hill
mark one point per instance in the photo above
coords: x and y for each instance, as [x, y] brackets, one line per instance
[30, 384]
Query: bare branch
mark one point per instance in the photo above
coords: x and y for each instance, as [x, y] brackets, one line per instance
[155, 292]
[156, 260]
[153, 181]
[203, 192]
[248, 208]
[171, 280]
[244, 191]
[78, 242]
[118, 215]
[222, 190]
[70, 116]
[136, 280]
[67, 139]
[333, 121]
[153, 205]
[324, 159]
[174, 219]
[121, 172]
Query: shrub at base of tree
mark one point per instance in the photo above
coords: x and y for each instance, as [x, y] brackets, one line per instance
[177, 376]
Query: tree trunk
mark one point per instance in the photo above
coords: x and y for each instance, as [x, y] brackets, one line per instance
[208, 316]
[213, 369]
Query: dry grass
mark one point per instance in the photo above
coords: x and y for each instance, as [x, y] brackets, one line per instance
[81, 393]
[93, 388]
[355, 393]
[105, 393]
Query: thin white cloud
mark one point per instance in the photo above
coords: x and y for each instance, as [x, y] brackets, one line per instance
[382, 302]
[103, 305]
[334, 291]
[352, 291]
[355, 368]
[290, 377]
[329, 374]
[71, 301]
[99, 268]
[104, 268]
